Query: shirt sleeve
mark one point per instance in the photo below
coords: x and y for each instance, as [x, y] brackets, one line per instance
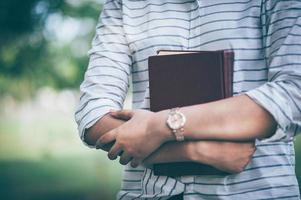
[281, 95]
[106, 80]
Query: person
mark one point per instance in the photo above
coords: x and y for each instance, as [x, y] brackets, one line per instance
[250, 134]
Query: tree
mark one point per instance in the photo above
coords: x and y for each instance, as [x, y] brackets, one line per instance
[31, 56]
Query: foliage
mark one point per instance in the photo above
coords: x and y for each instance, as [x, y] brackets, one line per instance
[31, 53]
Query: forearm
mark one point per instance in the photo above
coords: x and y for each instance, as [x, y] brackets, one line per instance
[173, 152]
[233, 119]
[105, 124]
[227, 156]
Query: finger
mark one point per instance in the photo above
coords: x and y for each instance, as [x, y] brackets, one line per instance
[125, 158]
[106, 147]
[106, 138]
[125, 114]
[135, 162]
[115, 151]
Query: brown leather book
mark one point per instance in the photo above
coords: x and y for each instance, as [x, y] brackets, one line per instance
[183, 78]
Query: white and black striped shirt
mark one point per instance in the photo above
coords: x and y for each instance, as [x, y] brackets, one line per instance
[266, 38]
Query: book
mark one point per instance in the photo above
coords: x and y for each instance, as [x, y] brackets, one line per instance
[184, 78]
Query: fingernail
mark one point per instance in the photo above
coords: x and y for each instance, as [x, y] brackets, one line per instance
[111, 157]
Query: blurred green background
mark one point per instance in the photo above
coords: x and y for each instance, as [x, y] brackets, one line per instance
[43, 57]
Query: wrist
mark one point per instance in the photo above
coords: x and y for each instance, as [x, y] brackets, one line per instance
[158, 125]
[176, 121]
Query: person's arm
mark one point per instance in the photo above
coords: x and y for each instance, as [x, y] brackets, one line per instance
[231, 157]
[272, 106]
[281, 95]
[102, 126]
[235, 156]
[227, 119]
[106, 79]
[234, 119]
[227, 156]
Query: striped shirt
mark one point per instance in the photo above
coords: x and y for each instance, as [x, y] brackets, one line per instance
[266, 38]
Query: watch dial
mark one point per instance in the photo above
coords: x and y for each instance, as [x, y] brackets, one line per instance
[176, 121]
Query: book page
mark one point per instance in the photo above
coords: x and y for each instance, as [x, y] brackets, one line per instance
[167, 52]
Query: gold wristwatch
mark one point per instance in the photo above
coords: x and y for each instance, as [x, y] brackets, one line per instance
[176, 121]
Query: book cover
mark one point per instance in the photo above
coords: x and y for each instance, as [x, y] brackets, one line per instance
[183, 78]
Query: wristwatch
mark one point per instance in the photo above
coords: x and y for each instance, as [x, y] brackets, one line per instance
[175, 121]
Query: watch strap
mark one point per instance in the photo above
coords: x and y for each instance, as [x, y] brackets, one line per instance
[179, 133]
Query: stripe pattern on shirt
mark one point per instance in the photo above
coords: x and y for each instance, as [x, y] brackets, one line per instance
[266, 38]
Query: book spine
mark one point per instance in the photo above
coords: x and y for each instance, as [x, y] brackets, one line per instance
[228, 62]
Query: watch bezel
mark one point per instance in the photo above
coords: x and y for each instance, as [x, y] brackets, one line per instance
[173, 125]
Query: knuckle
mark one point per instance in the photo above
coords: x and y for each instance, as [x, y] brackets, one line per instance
[127, 149]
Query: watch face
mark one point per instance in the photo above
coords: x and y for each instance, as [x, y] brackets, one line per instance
[176, 120]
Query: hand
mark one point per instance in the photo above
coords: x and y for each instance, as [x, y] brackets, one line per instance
[231, 157]
[105, 124]
[135, 139]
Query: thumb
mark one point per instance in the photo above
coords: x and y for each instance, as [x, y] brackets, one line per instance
[124, 114]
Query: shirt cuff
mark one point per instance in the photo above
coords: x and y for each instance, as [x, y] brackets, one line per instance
[263, 96]
[91, 118]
